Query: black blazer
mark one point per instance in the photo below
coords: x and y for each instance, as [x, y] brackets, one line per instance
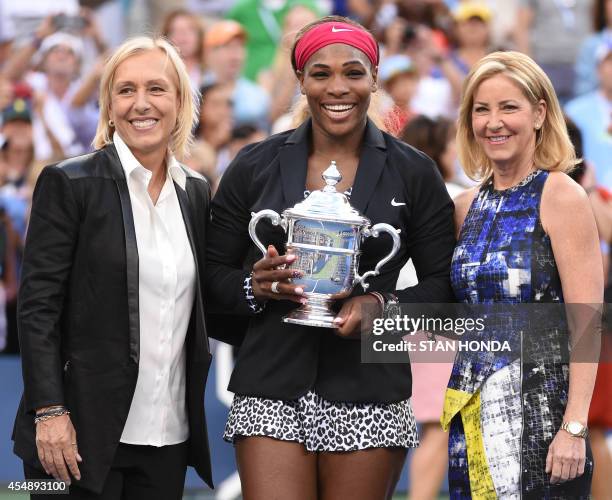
[279, 360]
[78, 310]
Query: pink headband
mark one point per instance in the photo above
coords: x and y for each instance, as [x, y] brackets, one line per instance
[333, 32]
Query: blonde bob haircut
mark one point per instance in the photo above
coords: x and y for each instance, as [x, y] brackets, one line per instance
[553, 149]
[187, 116]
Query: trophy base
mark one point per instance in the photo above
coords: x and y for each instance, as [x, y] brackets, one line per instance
[317, 312]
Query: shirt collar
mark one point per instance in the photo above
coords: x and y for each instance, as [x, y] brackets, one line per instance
[130, 163]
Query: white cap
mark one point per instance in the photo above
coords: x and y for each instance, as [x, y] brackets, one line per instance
[60, 38]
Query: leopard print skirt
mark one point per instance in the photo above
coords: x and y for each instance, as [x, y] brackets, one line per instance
[322, 425]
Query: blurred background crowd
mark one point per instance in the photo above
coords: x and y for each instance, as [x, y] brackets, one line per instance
[237, 53]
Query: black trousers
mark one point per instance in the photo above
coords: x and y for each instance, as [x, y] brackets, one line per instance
[138, 473]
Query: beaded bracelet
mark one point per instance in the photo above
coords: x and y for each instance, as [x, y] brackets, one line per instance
[255, 306]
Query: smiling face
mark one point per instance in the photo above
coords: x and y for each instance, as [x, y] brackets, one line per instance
[145, 101]
[504, 122]
[338, 82]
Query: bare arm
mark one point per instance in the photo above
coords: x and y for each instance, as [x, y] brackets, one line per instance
[19, 62]
[89, 85]
[92, 30]
[568, 219]
[462, 205]
[454, 77]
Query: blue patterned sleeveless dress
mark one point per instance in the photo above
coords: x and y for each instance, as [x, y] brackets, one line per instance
[504, 410]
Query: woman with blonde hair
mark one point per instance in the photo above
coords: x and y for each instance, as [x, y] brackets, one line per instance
[526, 234]
[114, 347]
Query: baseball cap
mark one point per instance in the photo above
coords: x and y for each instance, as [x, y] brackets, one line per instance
[59, 38]
[223, 32]
[19, 109]
[395, 65]
[468, 10]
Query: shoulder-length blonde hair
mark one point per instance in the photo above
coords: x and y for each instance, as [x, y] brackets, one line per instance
[187, 116]
[553, 148]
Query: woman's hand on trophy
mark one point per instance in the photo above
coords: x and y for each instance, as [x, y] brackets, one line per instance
[348, 320]
[272, 278]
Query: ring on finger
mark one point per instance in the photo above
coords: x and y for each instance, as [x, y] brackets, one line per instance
[274, 287]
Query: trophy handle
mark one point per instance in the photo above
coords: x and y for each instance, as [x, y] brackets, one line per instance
[264, 214]
[375, 231]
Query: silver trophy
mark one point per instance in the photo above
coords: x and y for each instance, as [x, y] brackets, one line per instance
[325, 233]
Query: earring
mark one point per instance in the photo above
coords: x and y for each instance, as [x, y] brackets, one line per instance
[111, 123]
[374, 87]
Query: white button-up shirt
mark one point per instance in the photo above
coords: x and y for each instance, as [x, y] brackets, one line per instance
[166, 273]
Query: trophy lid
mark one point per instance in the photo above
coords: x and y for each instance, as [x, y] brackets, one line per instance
[328, 203]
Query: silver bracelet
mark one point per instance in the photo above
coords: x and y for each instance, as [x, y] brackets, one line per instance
[49, 414]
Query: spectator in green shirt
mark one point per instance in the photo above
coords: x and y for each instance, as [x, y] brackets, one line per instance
[263, 21]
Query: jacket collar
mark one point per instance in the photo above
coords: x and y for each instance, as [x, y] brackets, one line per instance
[373, 136]
[130, 163]
[118, 174]
[114, 163]
[293, 156]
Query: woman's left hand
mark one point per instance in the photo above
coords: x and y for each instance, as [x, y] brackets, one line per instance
[348, 320]
[566, 457]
